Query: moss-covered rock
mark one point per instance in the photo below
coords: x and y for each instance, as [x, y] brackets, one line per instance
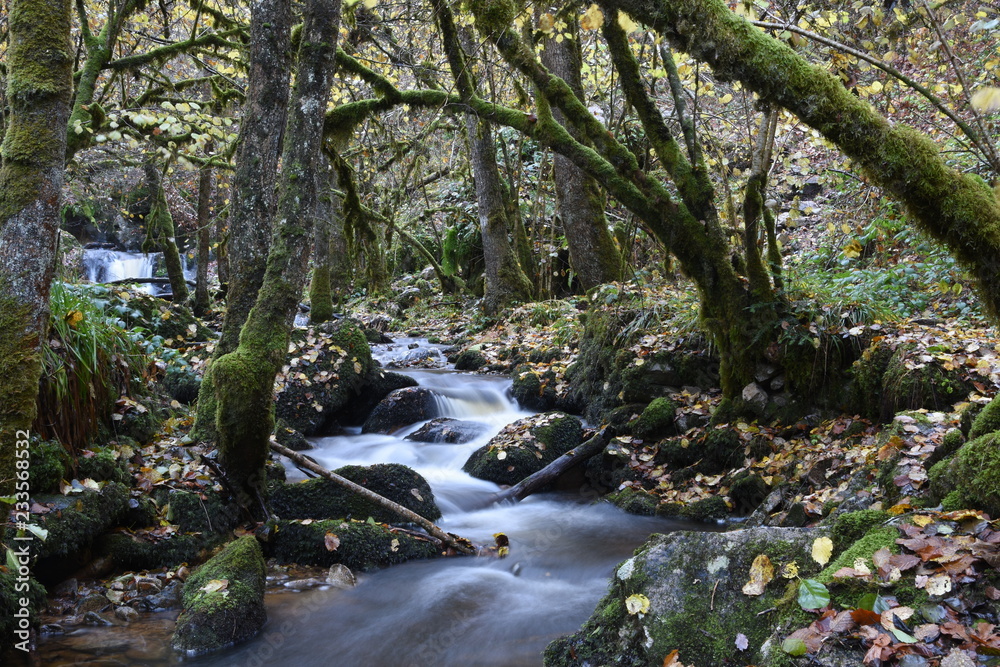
[532, 389]
[470, 360]
[322, 499]
[379, 384]
[400, 408]
[883, 537]
[207, 511]
[634, 501]
[134, 552]
[223, 600]
[969, 415]
[103, 465]
[525, 447]
[73, 523]
[327, 366]
[359, 545]
[181, 383]
[713, 508]
[887, 381]
[289, 437]
[986, 420]
[971, 477]
[747, 491]
[950, 444]
[717, 450]
[656, 420]
[693, 583]
[49, 465]
[850, 527]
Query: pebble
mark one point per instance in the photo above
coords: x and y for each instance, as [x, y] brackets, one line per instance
[126, 614]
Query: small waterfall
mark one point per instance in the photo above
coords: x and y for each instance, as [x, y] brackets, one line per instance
[105, 266]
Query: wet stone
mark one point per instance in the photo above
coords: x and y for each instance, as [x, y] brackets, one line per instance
[92, 603]
[93, 618]
[127, 614]
[340, 576]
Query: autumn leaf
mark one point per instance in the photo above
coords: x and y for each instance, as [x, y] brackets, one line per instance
[592, 19]
[331, 541]
[822, 549]
[986, 100]
[761, 573]
[637, 603]
[215, 585]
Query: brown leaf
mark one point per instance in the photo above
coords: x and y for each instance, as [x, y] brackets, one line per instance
[865, 617]
[331, 541]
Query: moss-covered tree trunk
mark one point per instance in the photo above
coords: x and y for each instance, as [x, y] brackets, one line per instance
[244, 249]
[39, 84]
[580, 201]
[160, 233]
[202, 303]
[320, 296]
[244, 378]
[957, 209]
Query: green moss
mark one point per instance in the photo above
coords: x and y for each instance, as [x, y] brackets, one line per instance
[361, 545]
[217, 616]
[950, 443]
[202, 512]
[863, 549]
[322, 499]
[746, 492]
[969, 415]
[971, 478]
[510, 456]
[634, 501]
[11, 593]
[987, 421]
[712, 508]
[657, 420]
[50, 464]
[103, 464]
[850, 527]
[320, 296]
[469, 360]
[128, 552]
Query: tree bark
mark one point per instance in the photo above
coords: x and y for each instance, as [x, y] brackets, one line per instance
[202, 302]
[320, 295]
[245, 248]
[244, 378]
[160, 233]
[580, 201]
[39, 86]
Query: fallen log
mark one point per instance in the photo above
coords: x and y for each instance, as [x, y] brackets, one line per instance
[457, 543]
[574, 457]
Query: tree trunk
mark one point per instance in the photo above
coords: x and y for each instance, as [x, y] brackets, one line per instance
[320, 296]
[505, 281]
[160, 233]
[244, 378]
[245, 247]
[39, 86]
[202, 302]
[580, 200]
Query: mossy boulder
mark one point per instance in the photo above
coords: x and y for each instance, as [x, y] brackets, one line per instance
[747, 491]
[470, 360]
[850, 527]
[656, 420]
[181, 383]
[326, 368]
[448, 430]
[717, 450]
[359, 545]
[693, 583]
[136, 552]
[987, 420]
[73, 523]
[49, 465]
[223, 600]
[102, 464]
[887, 381]
[634, 501]
[289, 437]
[206, 511]
[524, 447]
[401, 408]
[534, 390]
[322, 499]
[379, 384]
[971, 477]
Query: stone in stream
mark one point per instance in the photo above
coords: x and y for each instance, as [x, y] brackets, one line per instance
[358, 545]
[525, 447]
[322, 499]
[448, 430]
[223, 600]
[400, 408]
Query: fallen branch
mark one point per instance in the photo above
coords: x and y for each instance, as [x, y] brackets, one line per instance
[574, 457]
[459, 544]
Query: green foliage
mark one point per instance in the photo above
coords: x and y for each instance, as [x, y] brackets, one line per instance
[90, 361]
[813, 594]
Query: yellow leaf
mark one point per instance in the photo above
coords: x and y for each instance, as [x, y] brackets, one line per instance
[627, 24]
[215, 585]
[761, 573]
[822, 549]
[986, 100]
[546, 22]
[592, 19]
[726, 99]
[922, 520]
[876, 87]
[853, 249]
[790, 570]
[637, 603]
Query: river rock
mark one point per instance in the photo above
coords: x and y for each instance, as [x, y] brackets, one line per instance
[223, 600]
[448, 430]
[419, 357]
[694, 586]
[524, 447]
[358, 545]
[340, 576]
[400, 408]
[322, 499]
[127, 614]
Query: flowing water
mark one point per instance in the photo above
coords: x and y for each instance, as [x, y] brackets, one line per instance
[452, 611]
[101, 265]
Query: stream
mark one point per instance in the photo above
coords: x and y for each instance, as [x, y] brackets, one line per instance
[450, 611]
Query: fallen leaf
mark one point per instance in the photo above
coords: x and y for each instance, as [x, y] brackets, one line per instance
[761, 573]
[822, 549]
[215, 585]
[331, 541]
[637, 603]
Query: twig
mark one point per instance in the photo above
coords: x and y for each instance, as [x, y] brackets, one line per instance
[711, 604]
